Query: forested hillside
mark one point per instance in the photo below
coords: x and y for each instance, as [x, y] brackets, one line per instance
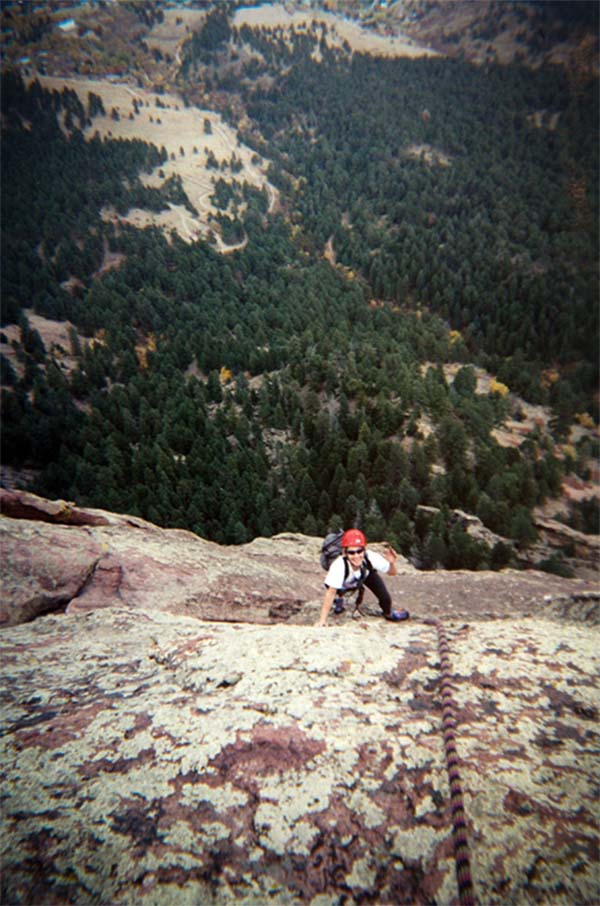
[434, 183]
[431, 212]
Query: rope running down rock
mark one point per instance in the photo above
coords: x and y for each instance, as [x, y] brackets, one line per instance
[466, 893]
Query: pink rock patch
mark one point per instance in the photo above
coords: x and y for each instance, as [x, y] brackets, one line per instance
[268, 750]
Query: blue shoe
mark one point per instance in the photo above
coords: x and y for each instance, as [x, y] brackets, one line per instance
[338, 605]
[397, 615]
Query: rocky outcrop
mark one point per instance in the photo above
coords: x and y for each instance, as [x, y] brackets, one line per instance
[83, 559]
[579, 551]
[183, 733]
[472, 525]
[583, 550]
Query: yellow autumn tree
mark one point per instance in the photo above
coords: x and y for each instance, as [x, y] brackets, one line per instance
[584, 419]
[498, 387]
[143, 349]
[549, 377]
[99, 339]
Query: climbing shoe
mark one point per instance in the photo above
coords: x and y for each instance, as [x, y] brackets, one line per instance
[397, 615]
[338, 605]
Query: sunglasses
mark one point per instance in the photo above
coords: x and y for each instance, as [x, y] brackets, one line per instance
[357, 550]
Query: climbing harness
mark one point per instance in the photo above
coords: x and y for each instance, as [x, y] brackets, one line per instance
[466, 893]
[358, 590]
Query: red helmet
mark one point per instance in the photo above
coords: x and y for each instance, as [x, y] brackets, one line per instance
[353, 537]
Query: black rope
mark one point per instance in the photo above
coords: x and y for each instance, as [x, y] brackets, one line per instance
[466, 892]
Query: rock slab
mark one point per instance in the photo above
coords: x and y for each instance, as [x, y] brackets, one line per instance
[155, 759]
[177, 730]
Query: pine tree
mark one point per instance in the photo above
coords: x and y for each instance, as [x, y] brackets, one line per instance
[522, 529]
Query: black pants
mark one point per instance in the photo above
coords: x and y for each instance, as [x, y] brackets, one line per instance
[375, 583]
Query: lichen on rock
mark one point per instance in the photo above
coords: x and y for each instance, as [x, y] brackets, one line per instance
[155, 754]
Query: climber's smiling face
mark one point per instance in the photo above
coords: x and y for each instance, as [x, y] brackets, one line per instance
[355, 555]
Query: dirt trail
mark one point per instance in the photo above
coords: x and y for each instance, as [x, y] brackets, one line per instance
[165, 122]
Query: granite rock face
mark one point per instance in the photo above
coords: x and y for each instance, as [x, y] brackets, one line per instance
[61, 557]
[154, 753]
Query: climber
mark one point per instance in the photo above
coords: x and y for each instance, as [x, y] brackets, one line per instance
[355, 568]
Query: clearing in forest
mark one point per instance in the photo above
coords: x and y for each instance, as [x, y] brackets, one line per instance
[191, 137]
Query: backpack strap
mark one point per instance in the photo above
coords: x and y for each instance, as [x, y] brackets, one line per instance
[346, 570]
[367, 567]
[365, 571]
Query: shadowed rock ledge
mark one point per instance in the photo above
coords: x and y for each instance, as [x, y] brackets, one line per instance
[183, 734]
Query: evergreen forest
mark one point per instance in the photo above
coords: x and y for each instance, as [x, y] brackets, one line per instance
[270, 389]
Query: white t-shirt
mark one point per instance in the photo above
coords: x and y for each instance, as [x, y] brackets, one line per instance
[335, 573]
